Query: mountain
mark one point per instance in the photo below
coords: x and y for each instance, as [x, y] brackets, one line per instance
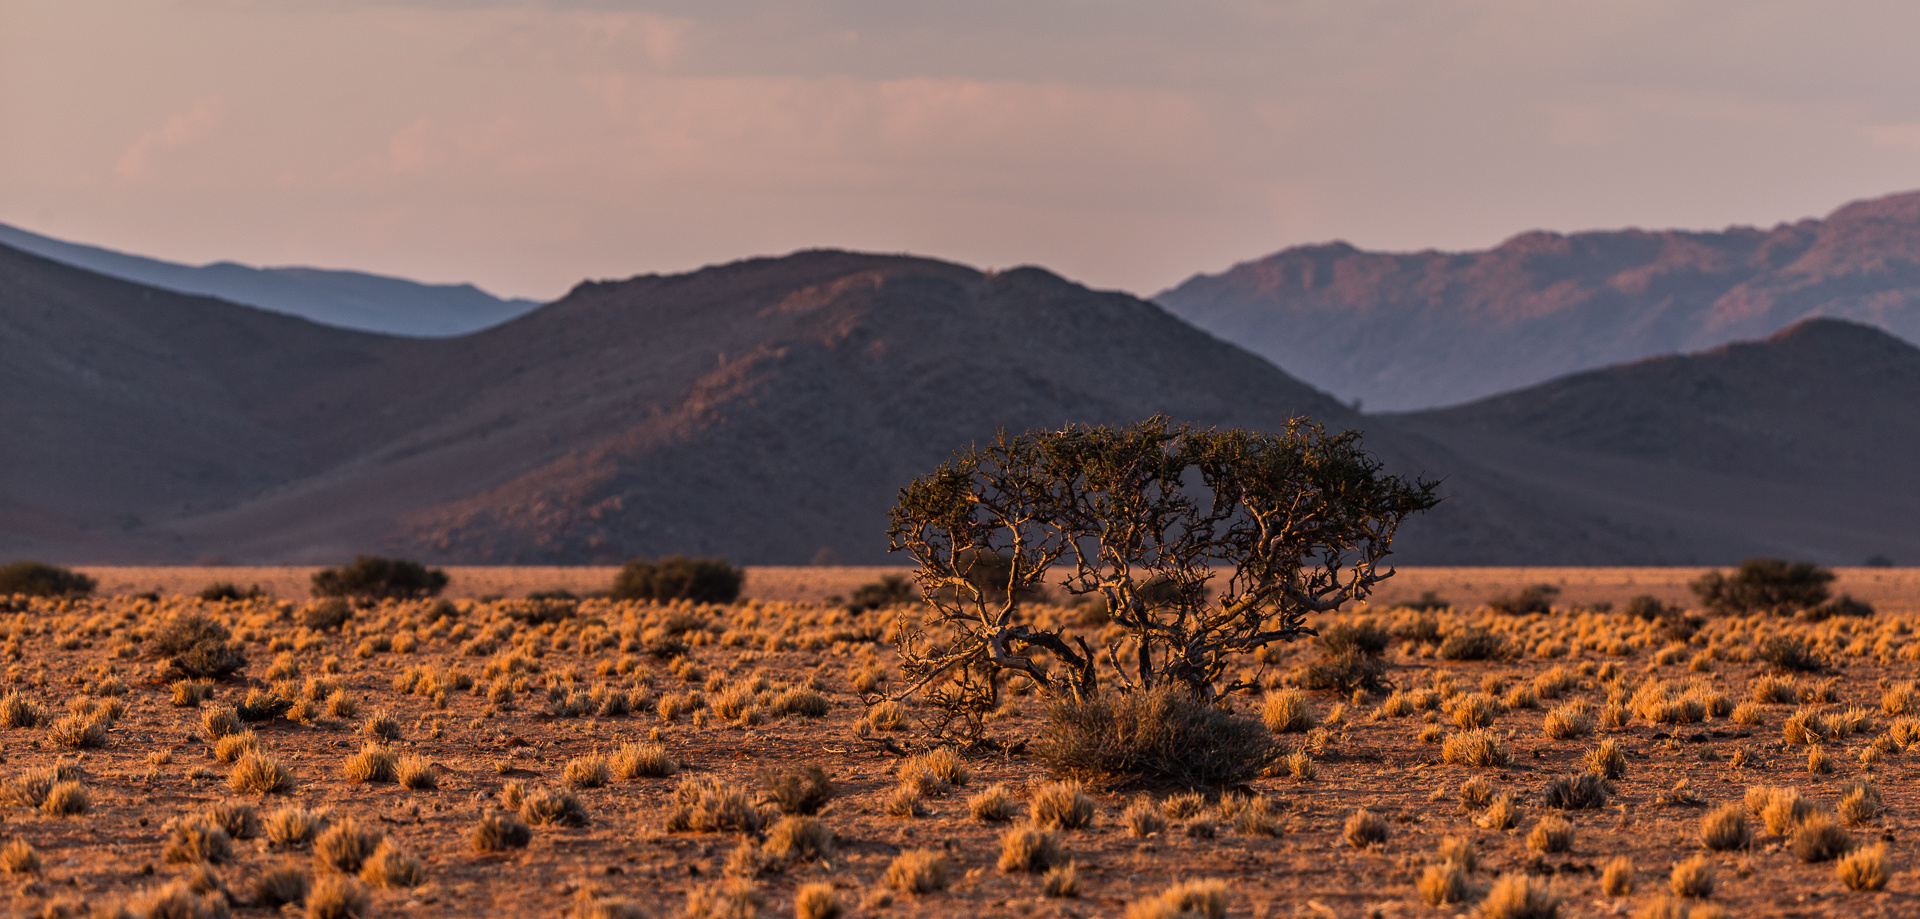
[346, 299]
[769, 409]
[1804, 445]
[1407, 331]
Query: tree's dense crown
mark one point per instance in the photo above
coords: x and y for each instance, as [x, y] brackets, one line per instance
[1765, 585]
[1202, 544]
[39, 579]
[380, 579]
[702, 580]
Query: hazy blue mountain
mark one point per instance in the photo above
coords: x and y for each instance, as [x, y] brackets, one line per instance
[1414, 330]
[344, 299]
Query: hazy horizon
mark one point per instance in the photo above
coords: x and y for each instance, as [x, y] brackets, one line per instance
[525, 147]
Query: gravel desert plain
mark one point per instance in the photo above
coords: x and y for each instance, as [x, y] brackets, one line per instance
[486, 754]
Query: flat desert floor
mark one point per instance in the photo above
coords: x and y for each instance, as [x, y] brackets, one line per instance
[644, 747]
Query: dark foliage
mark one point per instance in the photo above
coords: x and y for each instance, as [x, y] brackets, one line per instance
[376, 578]
[39, 579]
[1765, 585]
[1365, 636]
[196, 646]
[799, 790]
[1843, 605]
[1472, 643]
[1648, 607]
[1585, 791]
[1344, 672]
[1162, 735]
[327, 615]
[227, 590]
[701, 580]
[892, 590]
[1788, 653]
[1535, 598]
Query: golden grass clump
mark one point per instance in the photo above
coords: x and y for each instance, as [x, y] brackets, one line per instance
[279, 885]
[335, 896]
[1200, 899]
[1286, 712]
[642, 760]
[17, 712]
[1476, 792]
[590, 771]
[374, 763]
[1805, 727]
[1818, 838]
[935, 772]
[1864, 868]
[904, 801]
[705, 804]
[191, 693]
[1606, 760]
[994, 804]
[1569, 720]
[390, 867]
[256, 773]
[79, 732]
[196, 839]
[1142, 819]
[1725, 828]
[67, 799]
[1782, 809]
[499, 831]
[1553, 833]
[731, 898]
[1444, 883]
[1061, 805]
[1520, 896]
[240, 820]
[1859, 803]
[178, 900]
[1028, 849]
[1474, 710]
[1364, 829]
[553, 807]
[1500, 814]
[1061, 881]
[1480, 748]
[1693, 878]
[917, 871]
[416, 772]
[817, 900]
[799, 838]
[1616, 879]
[346, 845]
[19, 857]
[231, 747]
[292, 826]
[381, 726]
[220, 721]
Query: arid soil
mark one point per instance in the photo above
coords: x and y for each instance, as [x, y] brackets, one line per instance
[503, 700]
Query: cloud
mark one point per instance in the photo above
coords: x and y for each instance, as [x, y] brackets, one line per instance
[180, 129]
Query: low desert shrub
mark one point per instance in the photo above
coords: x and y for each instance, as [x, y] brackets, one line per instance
[1061, 805]
[390, 867]
[1693, 878]
[499, 831]
[935, 772]
[1553, 833]
[279, 885]
[1818, 838]
[1472, 643]
[1520, 896]
[1581, 791]
[39, 579]
[346, 845]
[590, 771]
[416, 772]
[375, 578]
[196, 839]
[257, 773]
[292, 826]
[1725, 828]
[1764, 585]
[1365, 829]
[1865, 868]
[1534, 598]
[196, 646]
[701, 580]
[706, 804]
[796, 838]
[1444, 883]
[642, 760]
[917, 871]
[1201, 899]
[1028, 849]
[1616, 879]
[1481, 748]
[1606, 760]
[817, 900]
[1142, 818]
[19, 857]
[995, 804]
[373, 763]
[553, 807]
[800, 789]
[1161, 735]
[338, 897]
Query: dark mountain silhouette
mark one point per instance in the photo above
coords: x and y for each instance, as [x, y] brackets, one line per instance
[345, 299]
[1407, 331]
[770, 408]
[1806, 444]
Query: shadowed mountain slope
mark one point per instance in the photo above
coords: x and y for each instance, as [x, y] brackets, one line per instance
[1805, 444]
[1414, 330]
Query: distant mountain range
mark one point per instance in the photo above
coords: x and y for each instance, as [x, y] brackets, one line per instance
[769, 409]
[344, 299]
[1405, 331]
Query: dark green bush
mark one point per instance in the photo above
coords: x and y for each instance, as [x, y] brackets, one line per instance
[227, 590]
[701, 580]
[196, 646]
[891, 590]
[1535, 598]
[1765, 585]
[39, 579]
[1165, 735]
[378, 578]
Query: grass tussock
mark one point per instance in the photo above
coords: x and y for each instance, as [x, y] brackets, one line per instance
[1200, 899]
[1520, 896]
[1164, 736]
[1061, 805]
[917, 871]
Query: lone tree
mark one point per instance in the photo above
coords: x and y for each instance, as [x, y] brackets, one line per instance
[379, 578]
[1203, 545]
[1769, 585]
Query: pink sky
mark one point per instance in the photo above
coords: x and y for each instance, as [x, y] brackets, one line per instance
[1124, 144]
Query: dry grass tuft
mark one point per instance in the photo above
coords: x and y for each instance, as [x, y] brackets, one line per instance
[390, 867]
[1553, 833]
[346, 845]
[1565, 722]
[642, 760]
[917, 871]
[17, 712]
[1584, 791]
[935, 772]
[67, 799]
[802, 790]
[1725, 828]
[240, 820]
[798, 838]
[1693, 878]
[292, 826]
[1782, 809]
[1502, 814]
[1028, 849]
[705, 804]
[338, 897]
[1061, 881]
[1520, 896]
[499, 831]
[590, 771]
[259, 774]
[1203, 899]
[1061, 805]
[1481, 748]
[1606, 760]
[1818, 838]
[1142, 819]
[1286, 712]
[196, 839]
[220, 721]
[178, 900]
[279, 885]
[374, 763]
[416, 772]
[817, 900]
[79, 732]
[1616, 879]
[19, 857]
[1859, 803]
[1864, 868]
[553, 807]
[994, 804]
[1444, 883]
[231, 747]
[1365, 829]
